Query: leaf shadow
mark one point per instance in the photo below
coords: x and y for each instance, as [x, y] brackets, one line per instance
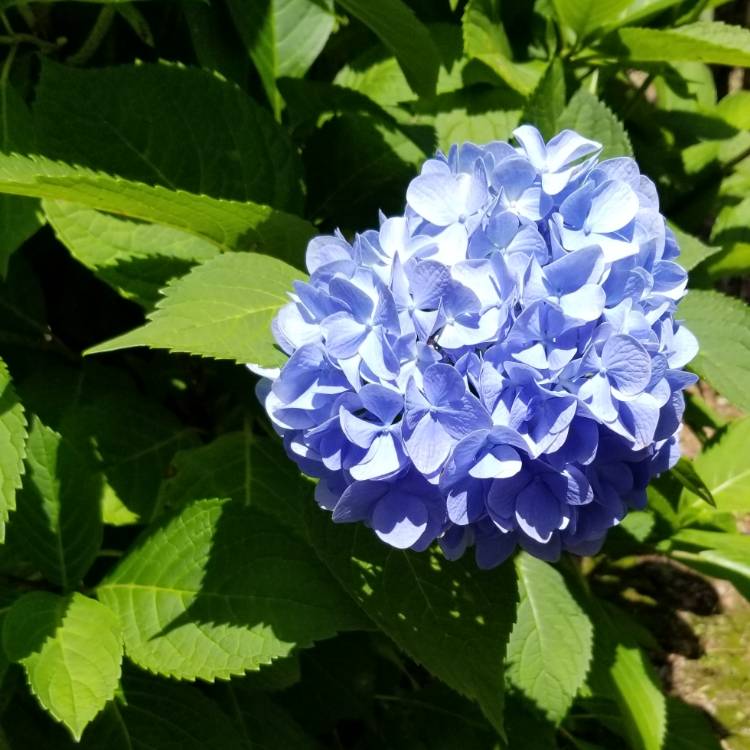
[258, 575]
[142, 278]
[61, 535]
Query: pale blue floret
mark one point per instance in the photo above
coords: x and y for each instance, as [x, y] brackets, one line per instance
[500, 366]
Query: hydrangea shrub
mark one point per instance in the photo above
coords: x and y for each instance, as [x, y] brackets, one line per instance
[271, 479]
[501, 365]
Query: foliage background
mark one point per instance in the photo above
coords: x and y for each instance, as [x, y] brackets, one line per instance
[166, 579]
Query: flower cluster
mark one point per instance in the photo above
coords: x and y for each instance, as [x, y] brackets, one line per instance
[501, 365]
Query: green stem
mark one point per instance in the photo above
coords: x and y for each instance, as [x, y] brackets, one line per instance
[7, 65]
[27, 14]
[16, 39]
[6, 23]
[594, 81]
[95, 38]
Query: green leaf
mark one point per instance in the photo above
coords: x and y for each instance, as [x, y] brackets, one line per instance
[13, 3]
[587, 16]
[547, 102]
[638, 524]
[230, 225]
[221, 309]
[71, 649]
[703, 41]
[135, 439]
[685, 87]
[547, 673]
[734, 109]
[264, 723]
[158, 714]
[340, 678]
[216, 47]
[404, 35]
[476, 115]
[621, 671]
[308, 103]
[663, 496]
[378, 76]
[593, 119]
[689, 728]
[274, 677]
[183, 128]
[244, 467]
[12, 446]
[380, 159]
[715, 553]
[691, 480]
[722, 327]
[135, 258]
[283, 37]
[23, 315]
[381, 80]
[58, 522]
[221, 589]
[732, 230]
[448, 616]
[485, 40]
[19, 217]
[104, 414]
[639, 10]
[692, 250]
[725, 469]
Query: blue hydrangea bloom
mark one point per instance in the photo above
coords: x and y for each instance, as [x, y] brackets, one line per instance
[501, 365]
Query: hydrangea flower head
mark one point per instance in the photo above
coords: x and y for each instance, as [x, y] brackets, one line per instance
[500, 366]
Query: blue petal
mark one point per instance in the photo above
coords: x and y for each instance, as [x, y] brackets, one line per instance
[385, 403]
[538, 511]
[428, 445]
[499, 463]
[684, 347]
[326, 249]
[359, 302]
[613, 205]
[575, 208]
[443, 384]
[459, 418]
[415, 405]
[399, 519]
[445, 199]
[492, 550]
[429, 281]
[529, 242]
[465, 502]
[533, 204]
[501, 499]
[502, 228]
[378, 355]
[586, 303]
[358, 500]
[359, 431]
[343, 335]
[572, 271]
[533, 144]
[514, 176]
[384, 458]
[300, 372]
[568, 147]
[628, 364]
[596, 392]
